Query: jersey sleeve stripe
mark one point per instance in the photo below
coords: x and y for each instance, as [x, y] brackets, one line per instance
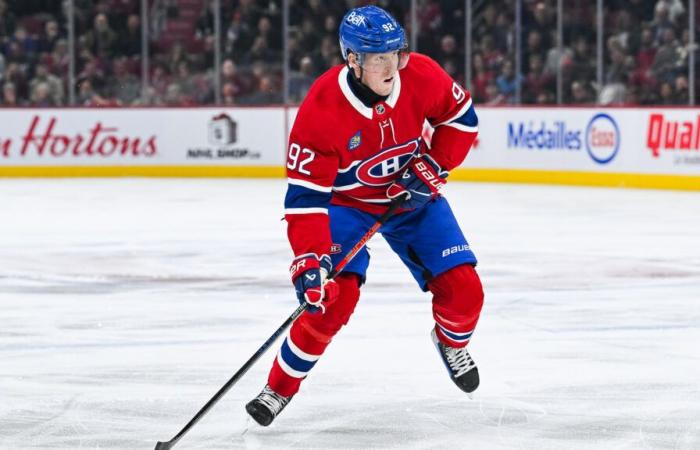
[308, 185]
[462, 111]
[461, 127]
[306, 211]
[347, 187]
[352, 164]
[304, 197]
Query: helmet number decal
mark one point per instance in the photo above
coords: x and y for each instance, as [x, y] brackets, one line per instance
[298, 158]
[388, 27]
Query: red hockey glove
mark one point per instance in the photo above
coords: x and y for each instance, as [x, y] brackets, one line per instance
[309, 273]
[422, 180]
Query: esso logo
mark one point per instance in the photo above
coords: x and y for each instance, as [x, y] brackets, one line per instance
[381, 169]
[602, 138]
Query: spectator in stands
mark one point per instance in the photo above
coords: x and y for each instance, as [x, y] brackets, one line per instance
[557, 58]
[540, 17]
[300, 81]
[50, 36]
[85, 91]
[328, 54]
[205, 21]
[176, 55]
[666, 61]
[644, 59]
[295, 51]
[266, 93]
[175, 97]
[2, 66]
[88, 96]
[537, 82]
[91, 69]
[101, 39]
[616, 74]
[675, 9]
[580, 94]
[16, 75]
[480, 79]
[493, 58]
[129, 40]
[230, 75]
[583, 63]
[508, 82]
[124, 87]
[41, 95]
[502, 32]
[449, 51]
[59, 59]
[626, 32]
[9, 95]
[239, 36]
[228, 95]
[661, 21]
[260, 51]
[23, 46]
[8, 21]
[493, 95]
[666, 94]
[452, 67]
[681, 90]
[265, 30]
[53, 85]
[184, 79]
[534, 46]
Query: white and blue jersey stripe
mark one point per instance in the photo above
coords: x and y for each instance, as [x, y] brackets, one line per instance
[294, 361]
[304, 197]
[458, 337]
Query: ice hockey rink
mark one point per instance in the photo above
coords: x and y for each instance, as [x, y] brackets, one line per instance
[126, 304]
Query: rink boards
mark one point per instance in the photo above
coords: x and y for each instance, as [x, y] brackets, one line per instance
[634, 147]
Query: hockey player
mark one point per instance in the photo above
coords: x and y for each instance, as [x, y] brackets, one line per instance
[356, 144]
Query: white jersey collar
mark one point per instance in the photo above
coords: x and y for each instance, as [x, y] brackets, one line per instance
[357, 103]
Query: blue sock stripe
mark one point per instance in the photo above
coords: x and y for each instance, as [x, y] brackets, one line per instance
[457, 337]
[293, 361]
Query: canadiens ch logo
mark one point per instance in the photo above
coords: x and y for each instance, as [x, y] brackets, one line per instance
[381, 169]
[380, 109]
[355, 141]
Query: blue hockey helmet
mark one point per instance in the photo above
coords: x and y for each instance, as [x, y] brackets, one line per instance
[370, 29]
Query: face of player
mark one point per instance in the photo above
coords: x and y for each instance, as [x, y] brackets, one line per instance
[378, 70]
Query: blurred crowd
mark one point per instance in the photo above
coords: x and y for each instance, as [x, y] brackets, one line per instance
[646, 50]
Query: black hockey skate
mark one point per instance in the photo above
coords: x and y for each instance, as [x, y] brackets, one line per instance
[460, 365]
[266, 406]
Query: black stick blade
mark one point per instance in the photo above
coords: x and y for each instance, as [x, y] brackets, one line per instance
[163, 445]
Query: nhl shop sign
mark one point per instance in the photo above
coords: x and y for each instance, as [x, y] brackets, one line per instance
[222, 137]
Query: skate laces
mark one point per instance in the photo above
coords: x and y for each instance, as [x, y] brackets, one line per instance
[459, 360]
[272, 400]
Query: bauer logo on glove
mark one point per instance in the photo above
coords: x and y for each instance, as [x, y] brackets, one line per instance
[422, 181]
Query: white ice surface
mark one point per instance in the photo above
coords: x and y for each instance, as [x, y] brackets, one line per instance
[125, 304]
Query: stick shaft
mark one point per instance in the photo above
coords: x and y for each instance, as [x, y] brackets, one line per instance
[297, 312]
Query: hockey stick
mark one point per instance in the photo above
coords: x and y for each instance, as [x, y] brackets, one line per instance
[166, 445]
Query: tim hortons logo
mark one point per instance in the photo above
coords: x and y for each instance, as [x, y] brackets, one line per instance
[672, 135]
[98, 141]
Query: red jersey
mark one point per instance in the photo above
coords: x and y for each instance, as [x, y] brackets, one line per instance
[346, 153]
